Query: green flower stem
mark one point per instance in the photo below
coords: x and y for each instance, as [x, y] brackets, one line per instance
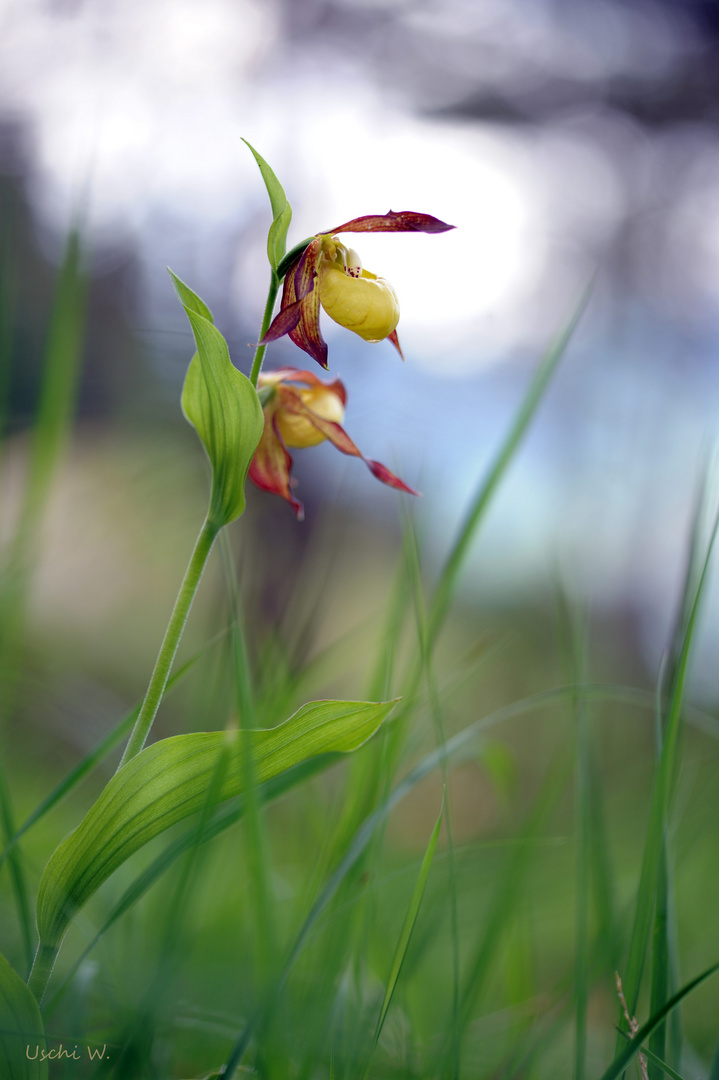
[176, 625]
[266, 320]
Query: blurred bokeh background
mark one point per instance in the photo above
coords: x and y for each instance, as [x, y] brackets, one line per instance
[569, 142]
[565, 142]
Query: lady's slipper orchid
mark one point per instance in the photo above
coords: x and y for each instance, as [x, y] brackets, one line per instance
[302, 410]
[331, 274]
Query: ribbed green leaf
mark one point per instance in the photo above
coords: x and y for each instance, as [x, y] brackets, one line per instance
[281, 211]
[21, 1030]
[222, 405]
[167, 782]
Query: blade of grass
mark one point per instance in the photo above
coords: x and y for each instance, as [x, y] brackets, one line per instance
[663, 978]
[509, 890]
[449, 576]
[661, 988]
[413, 559]
[365, 773]
[406, 933]
[573, 635]
[259, 860]
[634, 1045]
[714, 1071]
[602, 872]
[478, 507]
[63, 354]
[646, 893]
[454, 746]
[664, 1069]
[584, 813]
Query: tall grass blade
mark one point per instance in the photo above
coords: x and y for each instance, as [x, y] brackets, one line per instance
[584, 815]
[714, 1071]
[663, 981]
[61, 367]
[663, 1068]
[406, 933]
[602, 870]
[573, 635]
[654, 843]
[634, 1045]
[459, 745]
[257, 840]
[413, 559]
[61, 371]
[509, 891]
[478, 507]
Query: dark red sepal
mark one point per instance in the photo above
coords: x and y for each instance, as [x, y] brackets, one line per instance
[339, 438]
[283, 323]
[382, 473]
[271, 467]
[394, 221]
[300, 295]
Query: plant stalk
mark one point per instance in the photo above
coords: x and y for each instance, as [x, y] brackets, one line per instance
[266, 320]
[175, 627]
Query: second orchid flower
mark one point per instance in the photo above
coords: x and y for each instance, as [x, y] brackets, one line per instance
[301, 410]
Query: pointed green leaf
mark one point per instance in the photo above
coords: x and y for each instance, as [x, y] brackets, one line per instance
[222, 405]
[22, 1038]
[167, 782]
[190, 299]
[281, 211]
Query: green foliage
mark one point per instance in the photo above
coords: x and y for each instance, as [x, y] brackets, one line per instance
[634, 1045]
[222, 405]
[293, 959]
[406, 933]
[165, 784]
[62, 363]
[281, 212]
[21, 1030]
[653, 885]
